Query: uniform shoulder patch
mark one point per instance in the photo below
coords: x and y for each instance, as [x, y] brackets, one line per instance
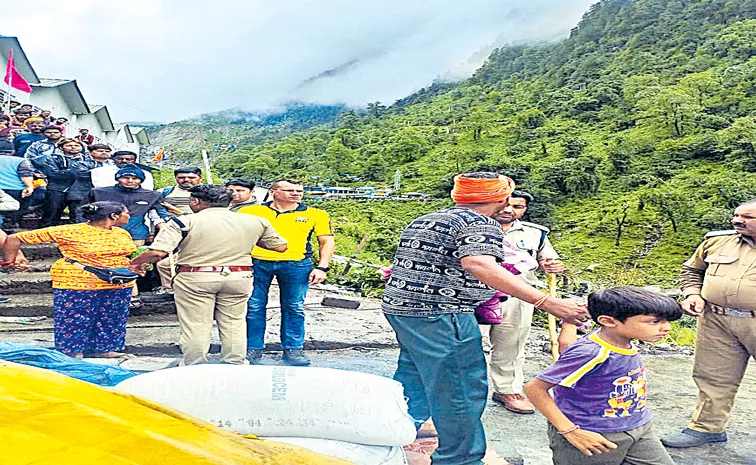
[536, 226]
[728, 232]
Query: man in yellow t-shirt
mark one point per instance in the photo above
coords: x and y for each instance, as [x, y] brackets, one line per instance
[293, 268]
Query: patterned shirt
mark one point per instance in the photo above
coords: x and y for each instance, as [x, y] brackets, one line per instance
[600, 387]
[427, 276]
[88, 245]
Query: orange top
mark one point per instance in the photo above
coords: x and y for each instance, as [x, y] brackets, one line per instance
[481, 190]
[88, 245]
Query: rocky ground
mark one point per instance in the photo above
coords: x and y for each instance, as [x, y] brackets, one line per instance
[361, 340]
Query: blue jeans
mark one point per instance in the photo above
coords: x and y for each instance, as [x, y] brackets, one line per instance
[293, 282]
[443, 370]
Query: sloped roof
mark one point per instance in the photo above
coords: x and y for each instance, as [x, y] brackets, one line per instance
[103, 116]
[126, 130]
[70, 92]
[22, 62]
[140, 134]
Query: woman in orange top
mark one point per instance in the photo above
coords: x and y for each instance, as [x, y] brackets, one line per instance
[90, 314]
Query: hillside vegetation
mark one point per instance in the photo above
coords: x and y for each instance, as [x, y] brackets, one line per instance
[636, 134]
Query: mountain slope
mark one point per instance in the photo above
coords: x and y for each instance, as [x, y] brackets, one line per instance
[635, 134]
[183, 140]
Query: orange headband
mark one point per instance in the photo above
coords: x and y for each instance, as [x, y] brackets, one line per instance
[481, 190]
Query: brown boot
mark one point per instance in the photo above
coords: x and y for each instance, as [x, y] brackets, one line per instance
[516, 403]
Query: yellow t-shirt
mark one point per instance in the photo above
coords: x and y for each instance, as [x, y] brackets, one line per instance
[296, 226]
[88, 245]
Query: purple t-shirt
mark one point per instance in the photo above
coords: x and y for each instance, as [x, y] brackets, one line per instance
[600, 387]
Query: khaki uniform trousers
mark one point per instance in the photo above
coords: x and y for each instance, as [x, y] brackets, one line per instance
[164, 273]
[508, 346]
[203, 296]
[723, 346]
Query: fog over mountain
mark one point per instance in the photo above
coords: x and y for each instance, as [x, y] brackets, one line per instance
[165, 60]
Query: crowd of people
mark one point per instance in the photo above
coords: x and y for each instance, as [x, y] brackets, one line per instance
[44, 170]
[217, 250]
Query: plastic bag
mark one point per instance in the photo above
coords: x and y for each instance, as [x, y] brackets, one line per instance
[48, 418]
[304, 402]
[36, 356]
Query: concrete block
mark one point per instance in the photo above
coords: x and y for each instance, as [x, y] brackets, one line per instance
[340, 301]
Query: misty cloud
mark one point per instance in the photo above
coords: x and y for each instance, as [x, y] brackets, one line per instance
[171, 59]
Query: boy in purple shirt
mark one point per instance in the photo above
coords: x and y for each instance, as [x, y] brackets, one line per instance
[598, 414]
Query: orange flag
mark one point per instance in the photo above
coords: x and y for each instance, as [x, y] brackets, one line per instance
[159, 156]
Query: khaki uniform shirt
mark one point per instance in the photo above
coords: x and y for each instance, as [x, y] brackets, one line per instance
[217, 237]
[532, 239]
[722, 271]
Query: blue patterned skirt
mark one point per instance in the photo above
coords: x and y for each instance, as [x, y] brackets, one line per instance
[90, 321]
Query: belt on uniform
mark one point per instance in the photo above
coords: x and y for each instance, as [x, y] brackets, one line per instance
[211, 269]
[736, 312]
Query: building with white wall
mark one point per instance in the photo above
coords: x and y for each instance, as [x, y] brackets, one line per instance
[64, 99]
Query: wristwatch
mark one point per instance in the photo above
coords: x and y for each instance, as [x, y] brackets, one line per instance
[323, 268]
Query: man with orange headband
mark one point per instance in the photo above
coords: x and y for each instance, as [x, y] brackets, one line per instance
[22, 141]
[446, 263]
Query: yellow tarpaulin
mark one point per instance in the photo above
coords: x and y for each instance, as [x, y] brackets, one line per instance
[48, 418]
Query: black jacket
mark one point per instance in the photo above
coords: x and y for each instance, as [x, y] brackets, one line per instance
[68, 174]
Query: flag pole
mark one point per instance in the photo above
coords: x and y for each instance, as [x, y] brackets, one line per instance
[10, 80]
[207, 167]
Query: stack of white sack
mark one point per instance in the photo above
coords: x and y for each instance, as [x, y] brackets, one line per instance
[353, 416]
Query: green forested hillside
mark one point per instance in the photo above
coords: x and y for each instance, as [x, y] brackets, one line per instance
[636, 134]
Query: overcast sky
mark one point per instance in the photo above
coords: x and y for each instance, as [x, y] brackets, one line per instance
[165, 60]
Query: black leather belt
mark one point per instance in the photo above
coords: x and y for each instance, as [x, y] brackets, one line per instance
[736, 312]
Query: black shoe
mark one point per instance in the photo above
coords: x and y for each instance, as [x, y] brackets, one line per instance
[692, 438]
[295, 357]
[254, 356]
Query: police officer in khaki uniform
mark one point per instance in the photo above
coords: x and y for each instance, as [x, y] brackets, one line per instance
[719, 284]
[213, 271]
[508, 338]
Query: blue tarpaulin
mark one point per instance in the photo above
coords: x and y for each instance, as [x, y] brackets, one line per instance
[27, 354]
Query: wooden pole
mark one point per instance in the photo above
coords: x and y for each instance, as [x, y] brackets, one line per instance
[207, 167]
[357, 251]
[553, 336]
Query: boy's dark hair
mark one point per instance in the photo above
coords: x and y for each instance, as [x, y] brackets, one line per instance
[518, 194]
[241, 183]
[215, 196]
[191, 169]
[51, 127]
[100, 147]
[623, 302]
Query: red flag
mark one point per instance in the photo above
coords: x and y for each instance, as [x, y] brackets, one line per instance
[13, 77]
